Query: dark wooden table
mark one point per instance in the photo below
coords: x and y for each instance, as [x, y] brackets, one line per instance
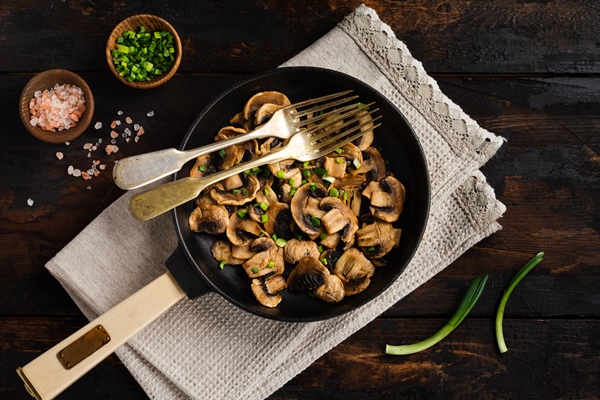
[526, 70]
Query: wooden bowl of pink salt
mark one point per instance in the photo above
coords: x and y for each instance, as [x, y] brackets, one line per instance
[56, 106]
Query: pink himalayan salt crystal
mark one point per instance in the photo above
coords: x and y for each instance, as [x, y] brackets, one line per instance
[128, 120]
[58, 108]
[59, 155]
[111, 148]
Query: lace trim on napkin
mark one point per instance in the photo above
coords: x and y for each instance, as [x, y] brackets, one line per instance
[466, 138]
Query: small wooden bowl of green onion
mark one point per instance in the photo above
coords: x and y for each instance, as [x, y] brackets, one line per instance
[143, 51]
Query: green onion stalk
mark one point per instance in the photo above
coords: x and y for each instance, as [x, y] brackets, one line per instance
[465, 306]
[515, 281]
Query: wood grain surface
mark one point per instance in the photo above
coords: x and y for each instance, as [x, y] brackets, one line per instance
[526, 70]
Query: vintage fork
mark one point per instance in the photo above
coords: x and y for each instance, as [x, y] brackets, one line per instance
[136, 171]
[307, 145]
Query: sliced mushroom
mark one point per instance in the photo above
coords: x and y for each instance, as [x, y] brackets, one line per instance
[386, 198]
[270, 144]
[328, 258]
[367, 137]
[308, 274]
[343, 213]
[352, 288]
[209, 218]
[241, 231]
[260, 292]
[378, 171]
[268, 259]
[275, 284]
[300, 208]
[331, 241]
[233, 182]
[279, 220]
[239, 121]
[242, 252]
[265, 112]
[376, 239]
[289, 171]
[295, 250]
[202, 166]
[229, 156]
[256, 101]
[221, 251]
[237, 197]
[353, 267]
[332, 291]
[335, 166]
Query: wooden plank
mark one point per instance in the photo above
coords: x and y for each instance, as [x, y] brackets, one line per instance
[463, 36]
[556, 358]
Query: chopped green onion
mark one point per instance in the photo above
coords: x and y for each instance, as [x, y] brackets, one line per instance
[303, 181]
[329, 179]
[316, 221]
[320, 171]
[356, 163]
[274, 237]
[264, 205]
[323, 236]
[255, 270]
[465, 306]
[280, 174]
[363, 106]
[371, 249]
[339, 151]
[222, 264]
[345, 196]
[245, 191]
[292, 181]
[333, 192]
[320, 248]
[222, 153]
[305, 164]
[271, 264]
[235, 191]
[513, 283]
[266, 191]
[298, 236]
[264, 218]
[242, 213]
[293, 191]
[313, 187]
[306, 173]
[340, 160]
[201, 168]
[324, 261]
[280, 242]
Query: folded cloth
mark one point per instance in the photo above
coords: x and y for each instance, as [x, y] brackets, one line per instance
[209, 349]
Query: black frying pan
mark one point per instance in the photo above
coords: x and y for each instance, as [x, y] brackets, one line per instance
[195, 269]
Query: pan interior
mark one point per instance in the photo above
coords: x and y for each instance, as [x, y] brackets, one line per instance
[398, 145]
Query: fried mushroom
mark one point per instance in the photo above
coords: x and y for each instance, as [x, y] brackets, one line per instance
[339, 218]
[332, 291]
[295, 250]
[308, 274]
[377, 239]
[386, 198]
[209, 218]
[221, 251]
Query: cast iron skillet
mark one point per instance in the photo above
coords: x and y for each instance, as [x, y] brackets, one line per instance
[192, 264]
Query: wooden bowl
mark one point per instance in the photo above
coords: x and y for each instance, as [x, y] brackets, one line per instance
[47, 80]
[151, 23]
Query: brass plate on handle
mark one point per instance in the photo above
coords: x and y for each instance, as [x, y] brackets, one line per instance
[83, 347]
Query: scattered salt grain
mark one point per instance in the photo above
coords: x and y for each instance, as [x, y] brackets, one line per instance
[111, 149]
[102, 167]
[70, 170]
[113, 124]
[127, 131]
[141, 131]
[98, 125]
[128, 120]
[89, 188]
[118, 122]
[85, 175]
[114, 134]
[67, 143]
[150, 114]
[76, 172]
[59, 155]
[89, 155]
[136, 139]
[119, 112]
[128, 139]
[113, 141]
[29, 202]
[136, 127]
[87, 146]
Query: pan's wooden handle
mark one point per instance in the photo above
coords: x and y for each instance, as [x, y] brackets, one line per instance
[55, 370]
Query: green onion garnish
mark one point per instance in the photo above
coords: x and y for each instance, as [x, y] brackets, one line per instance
[298, 236]
[264, 205]
[323, 235]
[274, 237]
[264, 218]
[339, 151]
[465, 306]
[303, 181]
[320, 248]
[306, 173]
[235, 191]
[201, 168]
[292, 181]
[333, 192]
[271, 264]
[222, 264]
[313, 187]
[222, 153]
[316, 221]
[280, 174]
[255, 270]
[305, 164]
[280, 242]
[245, 191]
[356, 163]
[324, 261]
[242, 213]
[513, 283]
[320, 171]
[292, 191]
[266, 191]
[345, 196]
[340, 160]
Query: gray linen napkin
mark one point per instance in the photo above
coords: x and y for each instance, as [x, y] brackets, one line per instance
[209, 349]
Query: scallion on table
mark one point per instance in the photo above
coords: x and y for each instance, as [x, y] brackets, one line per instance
[465, 306]
[513, 283]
